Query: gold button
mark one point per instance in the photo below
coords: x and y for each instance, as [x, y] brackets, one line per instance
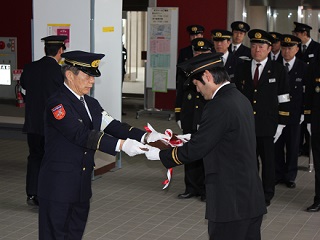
[85, 152]
[254, 113]
[197, 96]
[255, 90]
[197, 106]
[84, 169]
[254, 101]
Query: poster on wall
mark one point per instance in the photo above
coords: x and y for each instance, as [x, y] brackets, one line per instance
[60, 30]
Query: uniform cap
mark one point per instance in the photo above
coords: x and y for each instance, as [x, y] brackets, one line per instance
[220, 35]
[200, 63]
[288, 40]
[301, 27]
[84, 61]
[55, 40]
[201, 44]
[240, 26]
[276, 36]
[260, 36]
[195, 29]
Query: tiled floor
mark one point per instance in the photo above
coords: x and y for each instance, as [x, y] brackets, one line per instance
[129, 203]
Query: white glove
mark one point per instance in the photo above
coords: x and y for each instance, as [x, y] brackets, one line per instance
[301, 118]
[278, 132]
[309, 128]
[155, 136]
[153, 153]
[133, 147]
[185, 137]
[106, 119]
[179, 124]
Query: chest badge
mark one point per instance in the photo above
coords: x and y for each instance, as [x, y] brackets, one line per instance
[189, 96]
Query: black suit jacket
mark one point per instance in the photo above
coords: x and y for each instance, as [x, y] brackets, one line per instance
[242, 51]
[231, 64]
[40, 79]
[279, 59]
[312, 53]
[65, 174]
[185, 54]
[226, 142]
[272, 86]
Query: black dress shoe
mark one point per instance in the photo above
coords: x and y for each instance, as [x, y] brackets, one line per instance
[203, 198]
[290, 184]
[315, 207]
[268, 202]
[186, 195]
[32, 201]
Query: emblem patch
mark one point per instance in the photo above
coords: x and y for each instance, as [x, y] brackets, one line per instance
[58, 112]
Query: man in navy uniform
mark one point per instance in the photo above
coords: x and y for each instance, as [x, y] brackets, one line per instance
[221, 41]
[239, 30]
[75, 127]
[287, 146]
[195, 31]
[265, 83]
[226, 142]
[188, 111]
[40, 79]
[275, 54]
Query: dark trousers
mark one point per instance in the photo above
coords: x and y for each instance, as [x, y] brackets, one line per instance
[248, 229]
[36, 152]
[315, 143]
[304, 142]
[61, 221]
[265, 150]
[287, 153]
[194, 176]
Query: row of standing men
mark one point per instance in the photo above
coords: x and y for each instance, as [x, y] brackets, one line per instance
[279, 74]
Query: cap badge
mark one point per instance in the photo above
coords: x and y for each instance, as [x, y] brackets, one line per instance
[287, 40]
[200, 43]
[240, 26]
[218, 34]
[95, 63]
[274, 36]
[258, 35]
[194, 29]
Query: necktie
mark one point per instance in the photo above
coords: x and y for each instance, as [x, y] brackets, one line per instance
[256, 75]
[82, 101]
[274, 58]
[304, 48]
[287, 66]
[234, 48]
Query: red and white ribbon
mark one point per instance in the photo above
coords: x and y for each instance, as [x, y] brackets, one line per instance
[167, 181]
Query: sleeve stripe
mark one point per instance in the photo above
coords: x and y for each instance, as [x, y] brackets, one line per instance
[281, 113]
[174, 155]
[98, 145]
[307, 112]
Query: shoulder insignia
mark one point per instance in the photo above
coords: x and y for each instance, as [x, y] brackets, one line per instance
[58, 112]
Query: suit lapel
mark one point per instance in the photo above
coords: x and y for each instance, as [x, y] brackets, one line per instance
[266, 73]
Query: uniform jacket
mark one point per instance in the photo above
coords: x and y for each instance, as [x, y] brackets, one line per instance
[189, 104]
[272, 86]
[312, 53]
[297, 76]
[279, 59]
[226, 142]
[185, 54]
[312, 97]
[242, 51]
[66, 169]
[40, 79]
[231, 64]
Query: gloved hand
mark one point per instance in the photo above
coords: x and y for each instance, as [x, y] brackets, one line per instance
[179, 124]
[106, 119]
[133, 147]
[278, 132]
[154, 136]
[309, 128]
[153, 153]
[301, 118]
[185, 137]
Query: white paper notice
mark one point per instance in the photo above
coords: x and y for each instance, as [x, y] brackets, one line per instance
[159, 80]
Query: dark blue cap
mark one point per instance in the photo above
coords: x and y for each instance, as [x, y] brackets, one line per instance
[301, 27]
[195, 29]
[201, 44]
[57, 40]
[240, 26]
[276, 36]
[288, 40]
[260, 36]
[220, 35]
[84, 61]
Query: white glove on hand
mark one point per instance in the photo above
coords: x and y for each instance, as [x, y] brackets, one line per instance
[153, 153]
[301, 118]
[278, 132]
[185, 137]
[179, 124]
[309, 128]
[155, 136]
[133, 147]
[105, 120]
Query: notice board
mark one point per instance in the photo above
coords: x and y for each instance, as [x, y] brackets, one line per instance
[162, 48]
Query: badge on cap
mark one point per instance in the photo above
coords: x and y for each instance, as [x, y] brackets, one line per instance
[287, 40]
[201, 43]
[59, 112]
[258, 35]
[240, 26]
[194, 29]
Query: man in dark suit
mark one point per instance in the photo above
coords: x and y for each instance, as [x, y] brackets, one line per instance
[188, 111]
[312, 119]
[287, 146]
[40, 79]
[195, 31]
[309, 52]
[265, 83]
[239, 30]
[275, 54]
[75, 127]
[221, 41]
[226, 142]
